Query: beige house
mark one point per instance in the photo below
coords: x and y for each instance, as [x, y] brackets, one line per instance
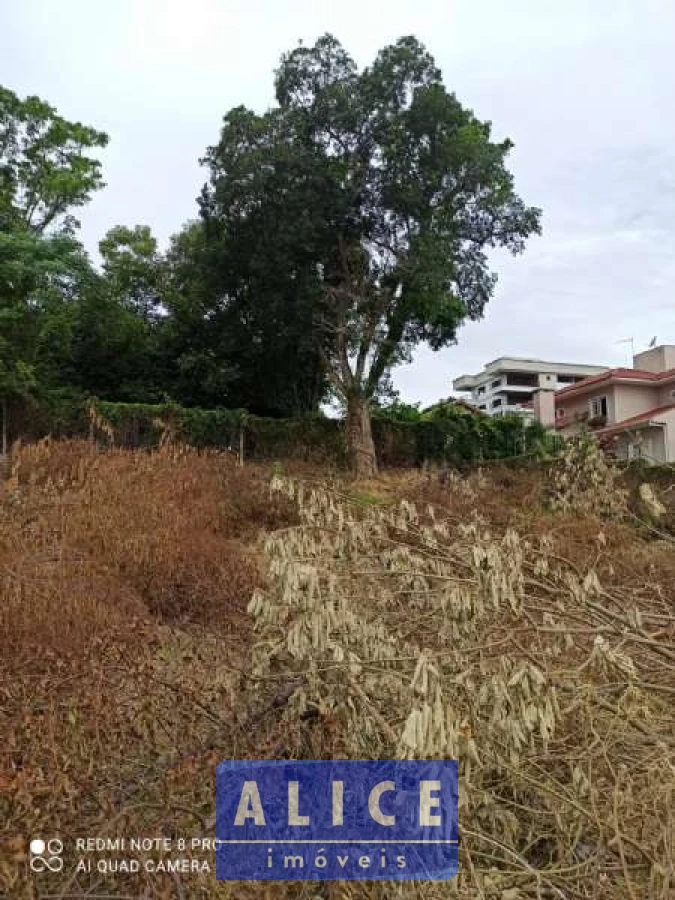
[632, 411]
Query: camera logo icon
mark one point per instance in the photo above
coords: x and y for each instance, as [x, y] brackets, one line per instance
[45, 856]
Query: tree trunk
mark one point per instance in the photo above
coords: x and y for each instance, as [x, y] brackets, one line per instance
[360, 438]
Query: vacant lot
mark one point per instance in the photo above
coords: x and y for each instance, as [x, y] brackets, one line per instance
[518, 620]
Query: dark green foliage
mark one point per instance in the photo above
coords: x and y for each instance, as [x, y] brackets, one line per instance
[44, 173]
[96, 344]
[398, 412]
[312, 436]
[38, 274]
[238, 330]
[453, 437]
[338, 230]
[363, 205]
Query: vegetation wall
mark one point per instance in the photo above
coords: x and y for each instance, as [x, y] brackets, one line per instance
[447, 435]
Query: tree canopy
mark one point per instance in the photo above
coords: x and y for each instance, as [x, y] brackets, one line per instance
[133, 268]
[45, 173]
[45, 169]
[375, 193]
[337, 231]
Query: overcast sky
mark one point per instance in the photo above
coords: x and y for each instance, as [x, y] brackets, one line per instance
[585, 89]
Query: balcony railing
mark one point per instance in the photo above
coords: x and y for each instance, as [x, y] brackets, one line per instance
[522, 381]
[581, 418]
[510, 409]
[576, 418]
[518, 388]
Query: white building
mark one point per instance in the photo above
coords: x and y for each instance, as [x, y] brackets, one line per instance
[508, 384]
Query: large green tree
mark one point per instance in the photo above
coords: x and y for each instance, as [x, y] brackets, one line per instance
[381, 195]
[45, 173]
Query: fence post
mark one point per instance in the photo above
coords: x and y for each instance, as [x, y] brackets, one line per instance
[4, 426]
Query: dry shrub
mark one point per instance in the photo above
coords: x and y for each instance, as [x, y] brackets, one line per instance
[419, 635]
[124, 742]
[534, 646]
[122, 626]
[250, 508]
[152, 530]
[499, 493]
[583, 481]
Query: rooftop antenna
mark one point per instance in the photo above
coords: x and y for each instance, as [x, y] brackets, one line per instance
[630, 341]
[652, 343]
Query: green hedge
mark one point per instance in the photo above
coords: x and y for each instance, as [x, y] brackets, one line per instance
[453, 435]
[309, 437]
[447, 434]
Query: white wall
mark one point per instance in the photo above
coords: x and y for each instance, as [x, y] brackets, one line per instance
[667, 394]
[633, 399]
[658, 359]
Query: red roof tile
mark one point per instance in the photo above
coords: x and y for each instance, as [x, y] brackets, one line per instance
[619, 374]
[634, 420]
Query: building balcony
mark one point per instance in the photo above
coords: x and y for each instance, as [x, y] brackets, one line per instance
[465, 383]
[509, 409]
[522, 382]
[581, 418]
[520, 388]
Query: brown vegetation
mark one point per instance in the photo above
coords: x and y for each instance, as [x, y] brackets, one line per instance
[124, 580]
[494, 618]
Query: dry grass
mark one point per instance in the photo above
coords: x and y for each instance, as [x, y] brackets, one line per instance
[501, 634]
[130, 666]
[124, 582]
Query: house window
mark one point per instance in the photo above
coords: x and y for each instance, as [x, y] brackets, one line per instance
[517, 399]
[635, 451]
[481, 390]
[522, 379]
[497, 402]
[496, 383]
[482, 406]
[566, 379]
[599, 407]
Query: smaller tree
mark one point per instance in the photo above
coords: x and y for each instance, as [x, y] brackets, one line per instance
[33, 271]
[133, 269]
[44, 167]
[193, 340]
[45, 171]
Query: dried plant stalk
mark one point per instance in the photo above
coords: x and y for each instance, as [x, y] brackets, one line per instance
[390, 613]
